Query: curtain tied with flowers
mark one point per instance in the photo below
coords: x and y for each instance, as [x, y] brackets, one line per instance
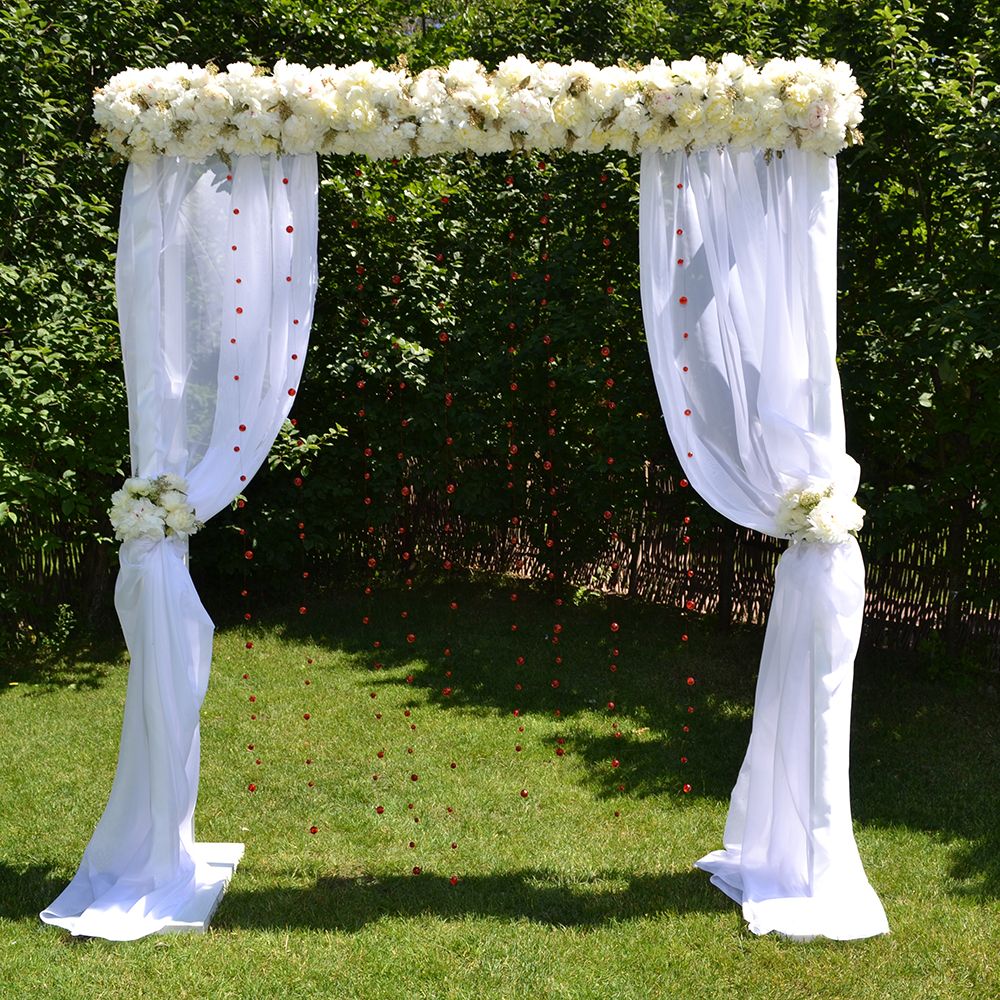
[216, 279]
[738, 277]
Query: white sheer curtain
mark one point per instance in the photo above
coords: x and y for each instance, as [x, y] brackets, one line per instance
[738, 274]
[216, 281]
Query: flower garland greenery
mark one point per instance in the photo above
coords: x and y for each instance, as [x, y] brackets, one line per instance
[195, 112]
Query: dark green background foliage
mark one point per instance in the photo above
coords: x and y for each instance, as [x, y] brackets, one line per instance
[918, 293]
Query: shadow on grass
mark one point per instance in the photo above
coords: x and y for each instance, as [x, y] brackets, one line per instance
[925, 756]
[646, 700]
[925, 752]
[26, 890]
[83, 667]
[349, 903]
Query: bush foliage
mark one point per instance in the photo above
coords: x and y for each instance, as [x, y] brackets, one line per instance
[414, 250]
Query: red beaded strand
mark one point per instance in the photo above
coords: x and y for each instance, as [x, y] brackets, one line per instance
[684, 362]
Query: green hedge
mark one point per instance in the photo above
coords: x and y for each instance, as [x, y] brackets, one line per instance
[918, 284]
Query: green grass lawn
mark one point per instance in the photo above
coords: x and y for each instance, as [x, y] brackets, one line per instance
[578, 890]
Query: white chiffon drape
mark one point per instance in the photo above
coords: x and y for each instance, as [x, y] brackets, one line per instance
[738, 276]
[216, 278]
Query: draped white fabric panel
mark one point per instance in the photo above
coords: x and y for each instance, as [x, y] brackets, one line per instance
[738, 274]
[216, 281]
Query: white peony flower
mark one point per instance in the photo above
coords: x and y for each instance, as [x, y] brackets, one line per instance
[171, 500]
[138, 487]
[182, 523]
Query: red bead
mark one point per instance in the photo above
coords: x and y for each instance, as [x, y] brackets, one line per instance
[683, 300]
[314, 829]
[289, 229]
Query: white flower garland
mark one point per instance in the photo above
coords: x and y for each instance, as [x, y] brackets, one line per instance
[817, 512]
[153, 508]
[195, 112]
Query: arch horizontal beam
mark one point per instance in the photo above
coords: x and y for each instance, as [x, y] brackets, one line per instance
[195, 112]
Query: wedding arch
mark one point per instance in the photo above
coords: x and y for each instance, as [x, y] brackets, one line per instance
[216, 277]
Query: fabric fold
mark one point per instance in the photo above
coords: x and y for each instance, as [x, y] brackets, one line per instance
[216, 276]
[137, 870]
[790, 857]
[738, 279]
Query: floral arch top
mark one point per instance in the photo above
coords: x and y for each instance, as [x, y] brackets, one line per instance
[195, 112]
